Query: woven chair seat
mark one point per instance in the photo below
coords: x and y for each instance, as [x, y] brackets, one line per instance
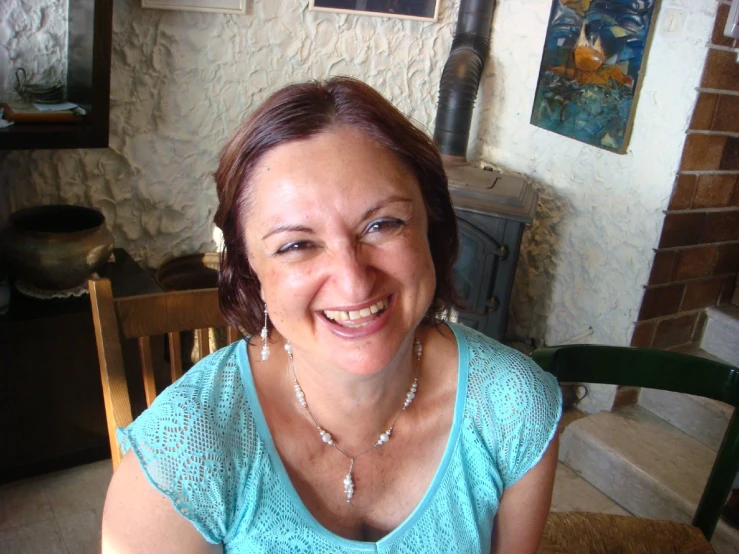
[593, 533]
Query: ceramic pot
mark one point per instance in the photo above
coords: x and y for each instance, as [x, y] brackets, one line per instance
[56, 247]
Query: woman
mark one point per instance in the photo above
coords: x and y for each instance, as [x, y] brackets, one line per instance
[354, 419]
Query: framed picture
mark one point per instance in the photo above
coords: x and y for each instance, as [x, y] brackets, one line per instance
[424, 10]
[222, 6]
[591, 68]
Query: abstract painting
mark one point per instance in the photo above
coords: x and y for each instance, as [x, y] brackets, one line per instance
[592, 61]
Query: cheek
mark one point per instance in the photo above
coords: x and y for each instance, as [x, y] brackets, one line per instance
[287, 289]
[414, 266]
[427, 272]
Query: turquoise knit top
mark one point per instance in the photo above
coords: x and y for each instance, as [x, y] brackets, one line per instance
[205, 444]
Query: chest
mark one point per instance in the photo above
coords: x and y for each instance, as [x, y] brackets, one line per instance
[389, 481]
[457, 517]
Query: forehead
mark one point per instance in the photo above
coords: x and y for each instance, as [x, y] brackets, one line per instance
[337, 168]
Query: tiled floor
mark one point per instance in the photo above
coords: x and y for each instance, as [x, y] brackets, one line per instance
[60, 513]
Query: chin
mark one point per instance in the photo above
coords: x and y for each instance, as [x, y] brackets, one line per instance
[373, 354]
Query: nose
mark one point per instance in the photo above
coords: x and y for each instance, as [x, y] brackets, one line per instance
[353, 273]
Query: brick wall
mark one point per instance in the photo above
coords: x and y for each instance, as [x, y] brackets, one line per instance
[697, 259]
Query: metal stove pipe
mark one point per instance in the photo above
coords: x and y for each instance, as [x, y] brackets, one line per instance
[461, 77]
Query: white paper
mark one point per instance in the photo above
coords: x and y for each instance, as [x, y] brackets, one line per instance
[55, 107]
[4, 123]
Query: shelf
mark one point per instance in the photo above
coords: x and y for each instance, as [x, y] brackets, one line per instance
[44, 136]
[88, 83]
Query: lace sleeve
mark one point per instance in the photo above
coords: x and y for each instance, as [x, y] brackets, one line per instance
[529, 412]
[190, 443]
[518, 406]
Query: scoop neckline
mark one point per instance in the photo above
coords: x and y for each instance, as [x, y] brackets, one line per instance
[265, 435]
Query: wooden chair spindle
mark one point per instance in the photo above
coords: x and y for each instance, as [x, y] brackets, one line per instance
[147, 369]
[175, 356]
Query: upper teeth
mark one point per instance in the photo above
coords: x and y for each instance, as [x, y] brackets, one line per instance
[341, 315]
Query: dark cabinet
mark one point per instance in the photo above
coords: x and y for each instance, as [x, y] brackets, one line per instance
[89, 30]
[51, 402]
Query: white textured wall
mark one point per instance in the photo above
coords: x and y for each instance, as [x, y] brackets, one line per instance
[182, 81]
[33, 35]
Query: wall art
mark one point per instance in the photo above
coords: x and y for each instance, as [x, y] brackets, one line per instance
[427, 10]
[591, 67]
[222, 6]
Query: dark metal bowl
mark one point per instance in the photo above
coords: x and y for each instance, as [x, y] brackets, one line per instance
[56, 247]
[194, 271]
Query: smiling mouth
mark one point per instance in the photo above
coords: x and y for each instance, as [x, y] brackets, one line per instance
[357, 318]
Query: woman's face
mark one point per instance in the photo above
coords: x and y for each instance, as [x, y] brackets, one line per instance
[337, 233]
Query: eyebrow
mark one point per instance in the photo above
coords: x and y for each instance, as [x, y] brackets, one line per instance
[287, 229]
[365, 215]
[385, 202]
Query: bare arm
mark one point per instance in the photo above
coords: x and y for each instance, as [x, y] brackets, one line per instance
[525, 506]
[137, 518]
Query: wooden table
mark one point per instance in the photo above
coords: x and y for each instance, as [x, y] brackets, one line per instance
[51, 404]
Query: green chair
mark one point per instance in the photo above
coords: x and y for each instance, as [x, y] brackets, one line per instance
[668, 371]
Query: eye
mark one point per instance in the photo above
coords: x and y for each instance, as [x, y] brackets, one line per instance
[297, 246]
[380, 225]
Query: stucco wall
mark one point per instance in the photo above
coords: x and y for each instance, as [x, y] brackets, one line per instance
[181, 82]
[33, 35]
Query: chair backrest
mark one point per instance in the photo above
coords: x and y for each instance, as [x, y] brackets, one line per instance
[143, 317]
[670, 371]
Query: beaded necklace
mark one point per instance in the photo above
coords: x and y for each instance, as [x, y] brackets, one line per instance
[326, 436]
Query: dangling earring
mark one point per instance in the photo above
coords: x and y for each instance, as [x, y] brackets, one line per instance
[265, 333]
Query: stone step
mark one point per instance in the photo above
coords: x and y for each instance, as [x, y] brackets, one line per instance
[721, 335]
[703, 419]
[572, 493]
[645, 465]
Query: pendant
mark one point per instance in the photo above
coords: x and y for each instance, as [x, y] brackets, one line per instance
[349, 483]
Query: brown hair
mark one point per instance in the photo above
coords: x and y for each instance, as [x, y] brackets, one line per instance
[301, 111]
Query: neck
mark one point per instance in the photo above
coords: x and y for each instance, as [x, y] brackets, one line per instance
[355, 408]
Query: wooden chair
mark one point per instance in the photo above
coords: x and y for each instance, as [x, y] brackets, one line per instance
[143, 317]
[662, 370]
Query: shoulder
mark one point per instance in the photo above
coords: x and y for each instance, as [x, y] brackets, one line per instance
[487, 358]
[504, 383]
[212, 388]
[207, 402]
[211, 375]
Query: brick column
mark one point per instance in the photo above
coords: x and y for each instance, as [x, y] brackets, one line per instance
[697, 259]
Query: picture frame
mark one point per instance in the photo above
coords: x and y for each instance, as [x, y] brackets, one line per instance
[237, 7]
[591, 70]
[419, 10]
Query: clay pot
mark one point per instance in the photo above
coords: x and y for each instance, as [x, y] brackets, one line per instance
[56, 247]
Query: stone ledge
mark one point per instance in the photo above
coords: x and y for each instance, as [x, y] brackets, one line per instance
[721, 336]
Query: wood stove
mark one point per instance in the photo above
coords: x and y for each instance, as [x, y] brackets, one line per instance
[492, 210]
